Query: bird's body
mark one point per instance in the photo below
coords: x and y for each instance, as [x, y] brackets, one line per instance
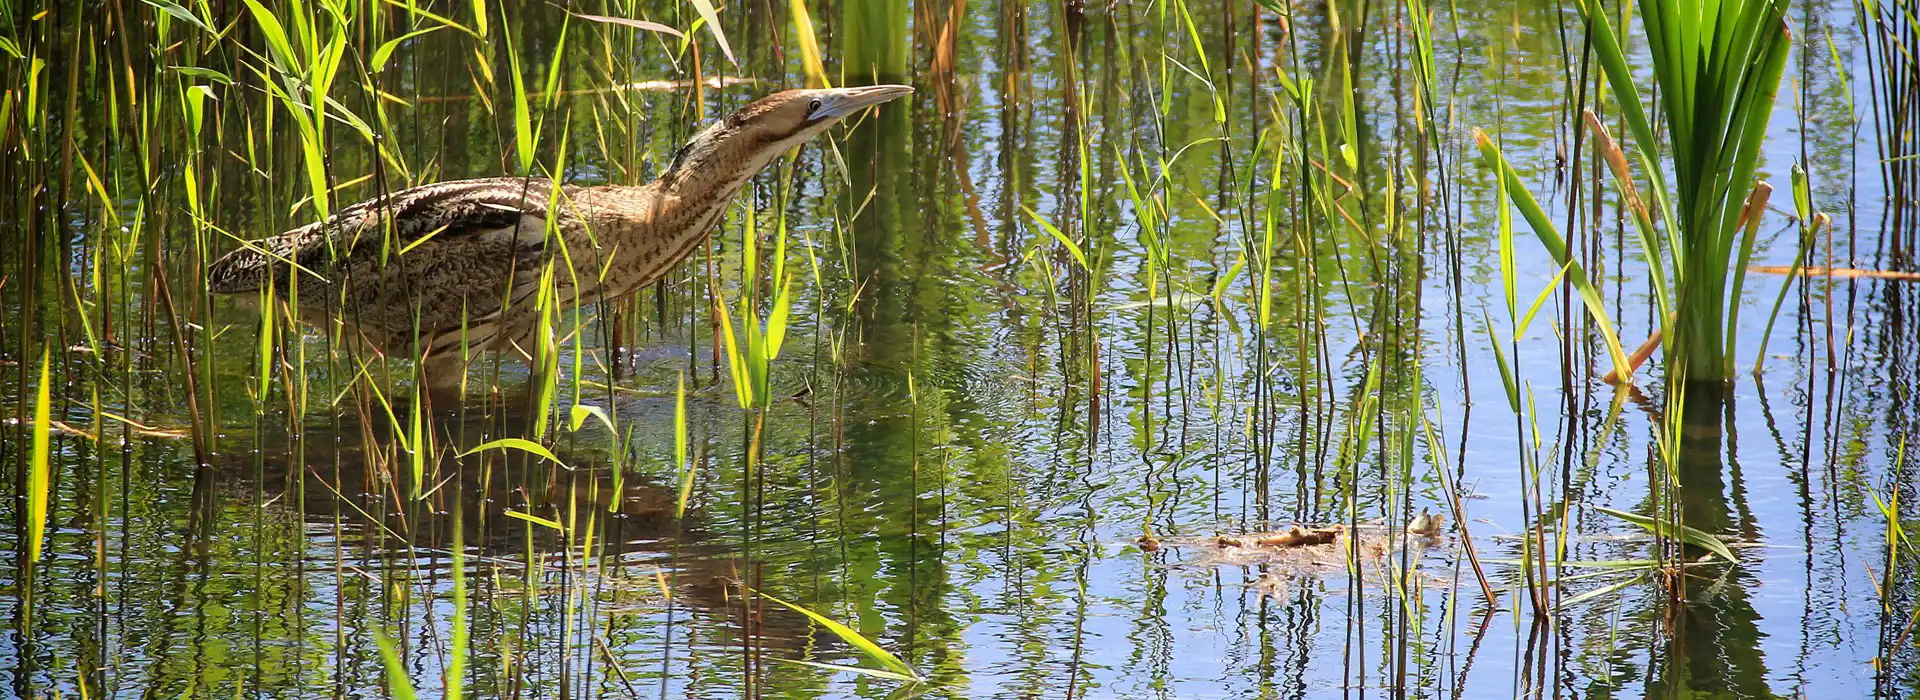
[487, 244]
[430, 268]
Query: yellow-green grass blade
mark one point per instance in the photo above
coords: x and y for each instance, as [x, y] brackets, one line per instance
[39, 464]
[265, 350]
[550, 90]
[1507, 381]
[276, 36]
[810, 62]
[521, 444]
[522, 116]
[478, 31]
[1520, 330]
[535, 519]
[680, 448]
[1602, 591]
[847, 634]
[777, 321]
[480, 19]
[398, 682]
[578, 417]
[416, 442]
[457, 655]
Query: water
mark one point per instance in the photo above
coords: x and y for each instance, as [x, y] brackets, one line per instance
[970, 436]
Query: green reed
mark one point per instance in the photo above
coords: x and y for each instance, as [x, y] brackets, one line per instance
[1811, 223]
[751, 351]
[875, 40]
[1310, 145]
[1900, 547]
[1717, 67]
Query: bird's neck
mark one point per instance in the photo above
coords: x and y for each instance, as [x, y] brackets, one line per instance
[716, 165]
[697, 194]
[659, 224]
[703, 179]
[689, 200]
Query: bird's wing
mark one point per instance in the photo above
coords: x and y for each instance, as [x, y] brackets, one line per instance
[385, 226]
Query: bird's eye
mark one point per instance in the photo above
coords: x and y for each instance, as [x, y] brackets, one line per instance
[813, 106]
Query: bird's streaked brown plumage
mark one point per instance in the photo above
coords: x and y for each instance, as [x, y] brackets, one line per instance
[470, 253]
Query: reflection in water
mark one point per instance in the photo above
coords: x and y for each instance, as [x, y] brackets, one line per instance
[1710, 645]
[618, 552]
[1289, 305]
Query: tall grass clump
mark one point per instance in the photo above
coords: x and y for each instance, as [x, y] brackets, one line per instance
[1717, 68]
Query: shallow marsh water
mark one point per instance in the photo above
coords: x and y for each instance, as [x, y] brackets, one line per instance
[973, 431]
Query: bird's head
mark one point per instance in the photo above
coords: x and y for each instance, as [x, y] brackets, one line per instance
[740, 144]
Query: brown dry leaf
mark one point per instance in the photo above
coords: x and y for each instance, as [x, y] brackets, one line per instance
[1844, 272]
[712, 18]
[634, 23]
[62, 426]
[1298, 537]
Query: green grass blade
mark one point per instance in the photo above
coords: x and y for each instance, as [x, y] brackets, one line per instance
[522, 114]
[1687, 533]
[1811, 223]
[1073, 248]
[1543, 229]
[177, 12]
[385, 52]
[1602, 591]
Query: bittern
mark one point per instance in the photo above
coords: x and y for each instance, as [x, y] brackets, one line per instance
[1426, 524]
[433, 266]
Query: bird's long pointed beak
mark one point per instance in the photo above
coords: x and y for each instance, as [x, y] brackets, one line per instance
[844, 102]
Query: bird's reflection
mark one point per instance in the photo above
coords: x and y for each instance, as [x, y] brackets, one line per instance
[351, 477]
